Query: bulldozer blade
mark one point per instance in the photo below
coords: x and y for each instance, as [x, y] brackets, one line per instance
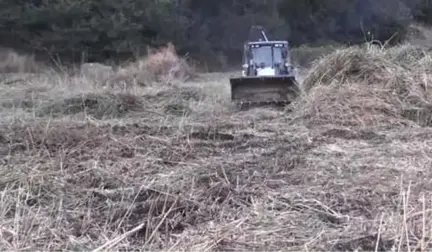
[264, 90]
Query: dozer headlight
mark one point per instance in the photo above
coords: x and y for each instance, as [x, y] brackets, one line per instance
[289, 66]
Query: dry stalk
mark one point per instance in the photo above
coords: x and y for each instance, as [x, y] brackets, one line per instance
[99, 167]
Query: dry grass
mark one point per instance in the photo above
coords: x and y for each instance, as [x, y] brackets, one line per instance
[369, 86]
[162, 65]
[176, 168]
[165, 63]
[11, 61]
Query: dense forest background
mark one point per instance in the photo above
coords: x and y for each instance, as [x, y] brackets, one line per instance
[105, 29]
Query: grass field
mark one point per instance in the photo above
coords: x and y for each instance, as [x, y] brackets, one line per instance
[177, 167]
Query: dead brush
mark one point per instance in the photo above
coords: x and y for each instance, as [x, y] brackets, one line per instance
[406, 55]
[253, 180]
[354, 83]
[355, 63]
[165, 63]
[350, 104]
[12, 62]
[161, 65]
[236, 182]
[123, 81]
[107, 173]
[98, 105]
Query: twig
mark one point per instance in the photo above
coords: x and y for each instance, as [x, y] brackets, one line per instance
[379, 234]
[10, 82]
[160, 223]
[115, 241]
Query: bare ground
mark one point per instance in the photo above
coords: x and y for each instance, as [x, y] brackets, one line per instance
[179, 169]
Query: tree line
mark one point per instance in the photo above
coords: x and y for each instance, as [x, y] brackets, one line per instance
[113, 28]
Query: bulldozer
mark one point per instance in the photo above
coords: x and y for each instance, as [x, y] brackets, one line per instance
[268, 76]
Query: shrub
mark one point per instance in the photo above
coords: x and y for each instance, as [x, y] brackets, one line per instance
[12, 62]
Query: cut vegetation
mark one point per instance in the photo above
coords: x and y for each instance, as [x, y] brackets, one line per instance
[369, 87]
[171, 166]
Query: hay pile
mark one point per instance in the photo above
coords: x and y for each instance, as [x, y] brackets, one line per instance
[367, 86]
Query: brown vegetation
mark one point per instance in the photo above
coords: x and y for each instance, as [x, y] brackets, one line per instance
[162, 65]
[13, 62]
[369, 86]
[175, 168]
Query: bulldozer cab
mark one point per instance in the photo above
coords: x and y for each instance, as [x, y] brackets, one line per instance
[264, 58]
[267, 54]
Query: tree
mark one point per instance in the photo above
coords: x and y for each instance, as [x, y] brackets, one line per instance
[105, 28]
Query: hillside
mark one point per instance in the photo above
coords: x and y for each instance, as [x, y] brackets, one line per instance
[172, 165]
